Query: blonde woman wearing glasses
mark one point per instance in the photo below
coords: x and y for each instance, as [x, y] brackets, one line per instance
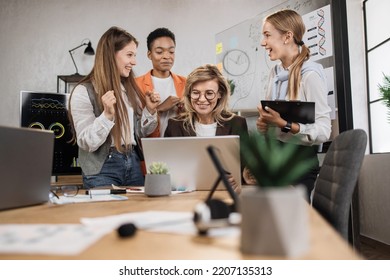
[206, 97]
[207, 114]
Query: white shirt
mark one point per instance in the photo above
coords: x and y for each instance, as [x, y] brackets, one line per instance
[165, 87]
[312, 88]
[93, 131]
[205, 130]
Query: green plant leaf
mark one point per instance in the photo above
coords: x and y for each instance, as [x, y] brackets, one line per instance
[158, 168]
[232, 85]
[273, 163]
[384, 91]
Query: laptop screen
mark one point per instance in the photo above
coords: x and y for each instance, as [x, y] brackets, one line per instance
[188, 161]
[26, 157]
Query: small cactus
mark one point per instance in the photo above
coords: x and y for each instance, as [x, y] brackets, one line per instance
[158, 168]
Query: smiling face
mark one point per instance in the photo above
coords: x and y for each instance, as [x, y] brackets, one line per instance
[203, 106]
[125, 59]
[162, 55]
[273, 42]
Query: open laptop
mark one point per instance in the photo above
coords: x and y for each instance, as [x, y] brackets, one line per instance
[26, 157]
[188, 161]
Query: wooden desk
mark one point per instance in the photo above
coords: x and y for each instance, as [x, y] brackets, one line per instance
[325, 243]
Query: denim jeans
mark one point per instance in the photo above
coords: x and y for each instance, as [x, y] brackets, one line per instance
[118, 169]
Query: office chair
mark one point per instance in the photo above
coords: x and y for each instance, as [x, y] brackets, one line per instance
[337, 180]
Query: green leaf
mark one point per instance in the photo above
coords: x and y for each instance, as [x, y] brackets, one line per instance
[272, 163]
[158, 168]
[384, 91]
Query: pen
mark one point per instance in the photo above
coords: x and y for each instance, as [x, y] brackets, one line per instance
[107, 191]
[134, 189]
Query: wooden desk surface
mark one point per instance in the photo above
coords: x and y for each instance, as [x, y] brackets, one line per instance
[325, 243]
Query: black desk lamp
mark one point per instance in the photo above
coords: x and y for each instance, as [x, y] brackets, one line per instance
[88, 51]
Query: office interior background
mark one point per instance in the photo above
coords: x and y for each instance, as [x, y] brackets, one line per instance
[36, 36]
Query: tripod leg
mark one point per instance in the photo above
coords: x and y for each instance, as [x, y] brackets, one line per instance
[214, 188]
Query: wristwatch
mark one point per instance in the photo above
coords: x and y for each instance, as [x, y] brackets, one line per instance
[287, 127]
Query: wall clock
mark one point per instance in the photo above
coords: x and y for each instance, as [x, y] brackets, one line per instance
[236, 62]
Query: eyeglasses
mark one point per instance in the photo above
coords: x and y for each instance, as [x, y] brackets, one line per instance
[68, 191]
[208, 94]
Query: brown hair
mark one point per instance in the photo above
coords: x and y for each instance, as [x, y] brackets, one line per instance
[105, 76]
[289, 20]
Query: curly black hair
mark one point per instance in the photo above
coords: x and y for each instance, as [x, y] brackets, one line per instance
[158, 33]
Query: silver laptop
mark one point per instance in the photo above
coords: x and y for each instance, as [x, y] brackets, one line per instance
[188, 161]
[26, 157]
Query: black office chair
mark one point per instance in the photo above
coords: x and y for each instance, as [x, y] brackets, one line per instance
[337, 180]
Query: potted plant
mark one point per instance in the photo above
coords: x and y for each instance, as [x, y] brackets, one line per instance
[157, 180]
[274, 213]
[384, 91]
[232, 85]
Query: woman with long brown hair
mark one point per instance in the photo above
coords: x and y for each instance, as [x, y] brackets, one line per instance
[108, 114]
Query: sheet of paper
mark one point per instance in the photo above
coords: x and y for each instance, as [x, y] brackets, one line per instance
[53, 239]
[158, 221]
[86, 198]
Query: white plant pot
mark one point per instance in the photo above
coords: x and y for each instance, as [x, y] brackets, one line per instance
[274, 221]
[158, 184]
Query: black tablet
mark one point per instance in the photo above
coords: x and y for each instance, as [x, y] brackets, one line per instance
[217, 160]
[293, 111]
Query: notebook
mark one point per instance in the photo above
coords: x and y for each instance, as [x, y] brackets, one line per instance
[26, 157]
[293, 111]
[188, 161]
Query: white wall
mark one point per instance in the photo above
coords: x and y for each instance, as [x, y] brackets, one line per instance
[357, 64]
[374, 197]
[35, 36]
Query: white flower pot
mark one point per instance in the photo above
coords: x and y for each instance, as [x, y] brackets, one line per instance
[274, 221]
[158, 184]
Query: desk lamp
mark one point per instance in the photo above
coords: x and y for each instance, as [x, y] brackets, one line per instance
[88, 51]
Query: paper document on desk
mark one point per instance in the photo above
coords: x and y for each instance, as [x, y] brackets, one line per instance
[86, 198]
[157, 221]
[50, 239]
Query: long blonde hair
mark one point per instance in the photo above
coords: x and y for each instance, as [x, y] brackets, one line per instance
[221, 112]
[105, 76]
[289, 20]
